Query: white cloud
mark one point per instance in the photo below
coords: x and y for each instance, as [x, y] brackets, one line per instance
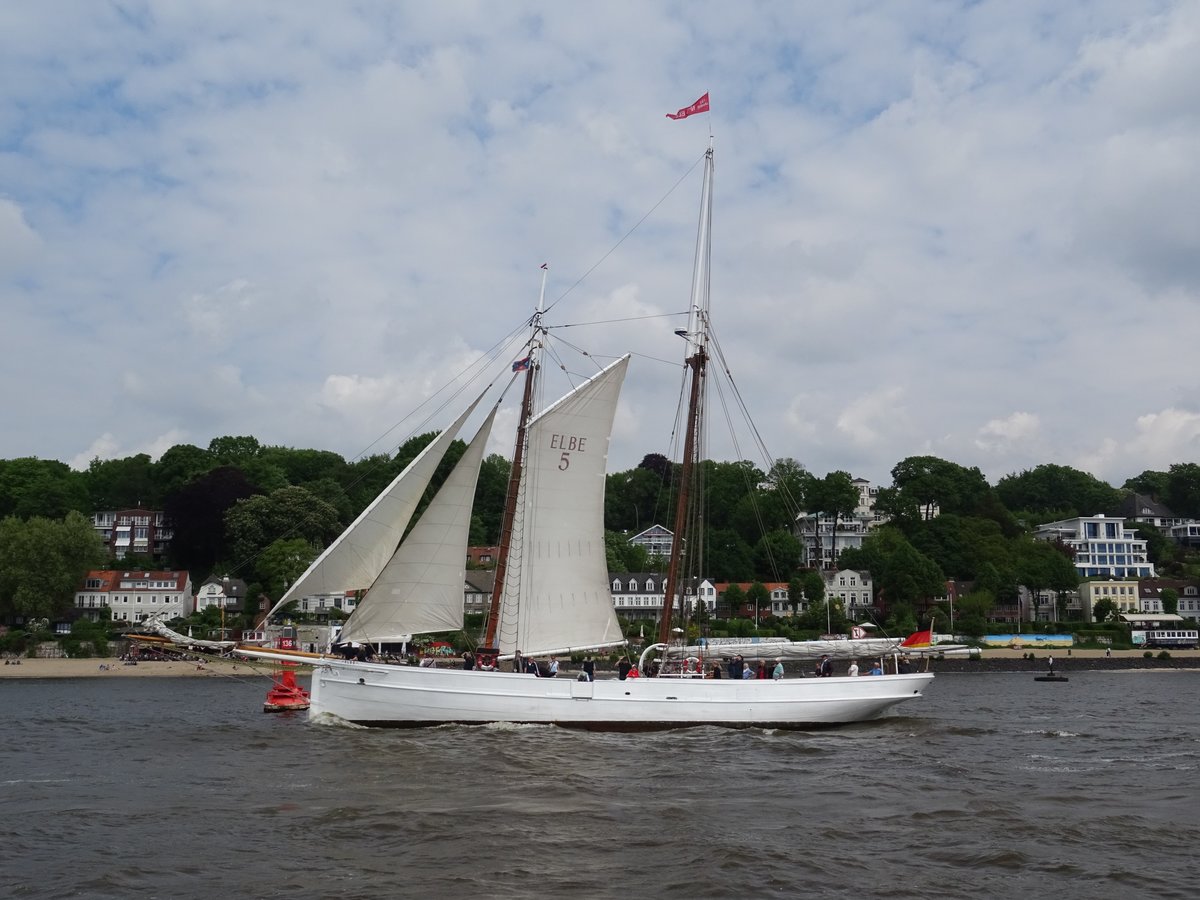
[998, 434]
[300, 223]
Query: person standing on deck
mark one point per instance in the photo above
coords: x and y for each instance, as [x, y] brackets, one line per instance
[735, 667]
[777, 672]
[853, 670]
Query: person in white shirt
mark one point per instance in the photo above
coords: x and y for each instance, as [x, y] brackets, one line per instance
[853, 670]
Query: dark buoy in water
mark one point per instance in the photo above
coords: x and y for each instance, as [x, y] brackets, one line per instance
[1051, 678]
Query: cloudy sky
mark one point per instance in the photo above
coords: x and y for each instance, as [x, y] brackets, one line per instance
[964, 229]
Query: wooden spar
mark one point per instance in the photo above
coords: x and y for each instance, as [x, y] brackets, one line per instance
[696, 363]
[510, 511]
[514, 481]
[697, 337]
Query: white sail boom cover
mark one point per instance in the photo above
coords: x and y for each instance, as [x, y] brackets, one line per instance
[355, 559]
[557, 594]
[421, 588]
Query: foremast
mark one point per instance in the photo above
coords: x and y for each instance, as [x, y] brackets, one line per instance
[696, 336]
[531, 364]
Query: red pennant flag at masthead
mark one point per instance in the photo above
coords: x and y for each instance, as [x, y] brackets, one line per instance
[699, 106]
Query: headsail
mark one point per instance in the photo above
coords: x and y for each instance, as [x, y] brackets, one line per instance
[421, 588]
[355, 559]
[556, 591]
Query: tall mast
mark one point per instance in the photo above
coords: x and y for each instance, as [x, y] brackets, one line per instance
[514, 479]
[697, 357]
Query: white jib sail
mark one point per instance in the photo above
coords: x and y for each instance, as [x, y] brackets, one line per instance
[355, 559]
[556, 593]
[421, 588]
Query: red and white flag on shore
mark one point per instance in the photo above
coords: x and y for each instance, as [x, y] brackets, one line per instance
[699, 106]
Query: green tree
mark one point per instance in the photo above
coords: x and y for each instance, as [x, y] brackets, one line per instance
[901, 573]
[758, 597]
[43, 563]
[1149, 483]
[835, 496]
[41, 487]
[635, 500]
[926, 482]
[305, 466]
[178, 466]
[1160, 549]
[724, 486]
[776, 556]
[734, 598]
[1183, 489]
[197, 512]
[1170, 601]
[622, 556]
[122, 483]
[291, 512]
[729, 557]
[1104, 610]
[233, 451]
[281, 563]
[1053, 488]
[1042, 566]
[972, 612]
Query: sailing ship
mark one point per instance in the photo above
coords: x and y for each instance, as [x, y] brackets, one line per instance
[552, 594]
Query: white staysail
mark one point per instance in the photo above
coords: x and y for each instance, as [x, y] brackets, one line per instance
[556, 591]
[421, 588]
[355, 559]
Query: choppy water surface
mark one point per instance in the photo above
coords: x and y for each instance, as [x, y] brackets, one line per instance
[990, 786]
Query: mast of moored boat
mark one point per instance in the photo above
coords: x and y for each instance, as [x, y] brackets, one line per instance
[697, 357]
[530, 363]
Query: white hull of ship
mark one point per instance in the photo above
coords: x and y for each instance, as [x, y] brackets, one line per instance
[400, 696]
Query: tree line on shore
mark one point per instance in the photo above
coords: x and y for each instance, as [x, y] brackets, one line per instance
[262, 513]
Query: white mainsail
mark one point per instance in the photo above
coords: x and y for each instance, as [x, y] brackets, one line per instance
[355, 559]
[556, 591]
[421, 588]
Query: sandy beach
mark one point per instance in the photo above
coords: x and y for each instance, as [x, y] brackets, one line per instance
[114, 668]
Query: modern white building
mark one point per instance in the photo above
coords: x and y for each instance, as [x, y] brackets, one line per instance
[1102, 546]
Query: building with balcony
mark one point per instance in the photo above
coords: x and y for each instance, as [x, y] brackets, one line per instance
[134, 596]
[133, 532]
[1102, 546]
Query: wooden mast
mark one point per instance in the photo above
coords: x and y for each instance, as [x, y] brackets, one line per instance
[512, 497]
[697, 338]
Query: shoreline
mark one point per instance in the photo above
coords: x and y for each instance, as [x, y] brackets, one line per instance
[993, 660]
[95, 668]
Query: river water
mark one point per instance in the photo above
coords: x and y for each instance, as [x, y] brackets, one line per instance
[991, 785]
